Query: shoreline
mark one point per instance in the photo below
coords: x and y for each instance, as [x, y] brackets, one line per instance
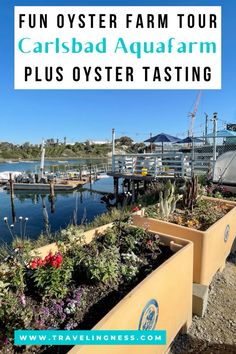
[4, 160]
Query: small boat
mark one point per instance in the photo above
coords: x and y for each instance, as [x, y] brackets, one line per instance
[5, 176]
[25, 161]
[62, 161]
[102, 175]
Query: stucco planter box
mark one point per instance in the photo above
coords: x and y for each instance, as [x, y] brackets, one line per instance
[211, 247]
[167, 290]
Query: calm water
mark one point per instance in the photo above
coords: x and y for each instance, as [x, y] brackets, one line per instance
[33, 166]
[37, 206]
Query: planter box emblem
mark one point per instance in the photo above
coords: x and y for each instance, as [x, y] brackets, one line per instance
[149, 316]
[226, 234]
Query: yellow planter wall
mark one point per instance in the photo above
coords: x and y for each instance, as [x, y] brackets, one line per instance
[170, 285]
[89, 235]
[210, 248]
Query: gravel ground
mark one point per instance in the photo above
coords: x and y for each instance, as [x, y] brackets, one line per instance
[215, 333]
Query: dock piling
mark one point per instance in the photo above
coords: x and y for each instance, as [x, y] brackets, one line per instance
[116, 187]
[52, 196]
[11, 185]
[133, 192]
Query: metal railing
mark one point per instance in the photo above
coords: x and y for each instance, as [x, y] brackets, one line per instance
[156, 164]
[183, 161]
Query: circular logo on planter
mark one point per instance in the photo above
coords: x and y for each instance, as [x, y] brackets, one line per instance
[149, 316]
[226, 234]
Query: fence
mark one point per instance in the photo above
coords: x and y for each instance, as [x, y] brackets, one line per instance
[183, 160]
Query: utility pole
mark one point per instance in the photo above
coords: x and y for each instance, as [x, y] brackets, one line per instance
[150, 143]
[206, 127]
[113, 150]
[42, 159]
[215, 123]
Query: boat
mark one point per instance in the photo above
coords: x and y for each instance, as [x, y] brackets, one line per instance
[25, 161]
[5, 175]
[102, 175]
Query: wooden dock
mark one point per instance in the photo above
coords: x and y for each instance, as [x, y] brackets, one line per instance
[68, 185]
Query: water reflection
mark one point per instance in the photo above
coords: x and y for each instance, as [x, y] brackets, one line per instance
[47, 213]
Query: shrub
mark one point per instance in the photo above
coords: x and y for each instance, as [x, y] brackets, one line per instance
[102, 266]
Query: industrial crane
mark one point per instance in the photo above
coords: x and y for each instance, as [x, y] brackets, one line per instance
[192, 114]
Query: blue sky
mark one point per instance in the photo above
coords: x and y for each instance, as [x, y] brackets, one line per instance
[81, 115]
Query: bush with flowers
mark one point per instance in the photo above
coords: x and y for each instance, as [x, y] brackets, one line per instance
[47, 273]
[59, 290]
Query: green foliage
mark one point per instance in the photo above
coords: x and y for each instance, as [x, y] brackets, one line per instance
[151, 195]
[3, 289]
[107, 218]
[102, 266]
[110, 237]
[30, 151]
[124, 140]
[13, 268]
[14, 314]
[202, 180]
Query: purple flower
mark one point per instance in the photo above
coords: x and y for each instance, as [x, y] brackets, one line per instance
[45, 311]
[71, 325]
[6, 341]
[23, 299]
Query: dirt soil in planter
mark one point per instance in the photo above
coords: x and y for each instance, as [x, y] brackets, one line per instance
[215, 333]
[204, 214]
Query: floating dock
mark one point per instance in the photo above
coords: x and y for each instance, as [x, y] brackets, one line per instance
[59, 186]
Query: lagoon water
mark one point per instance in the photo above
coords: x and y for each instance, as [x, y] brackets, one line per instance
[37, 207]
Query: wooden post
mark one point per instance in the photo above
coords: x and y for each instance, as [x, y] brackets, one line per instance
[80, 173]
[11, 185]
[145, 185]
[137, 188]
[123, 186]
[182, 165]
[52, 193]
[128, 185]
[52, 196]
[116, 186]
[113, 150]
[12, 198]
[133, 191]
[95, 172]
[90, 173]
